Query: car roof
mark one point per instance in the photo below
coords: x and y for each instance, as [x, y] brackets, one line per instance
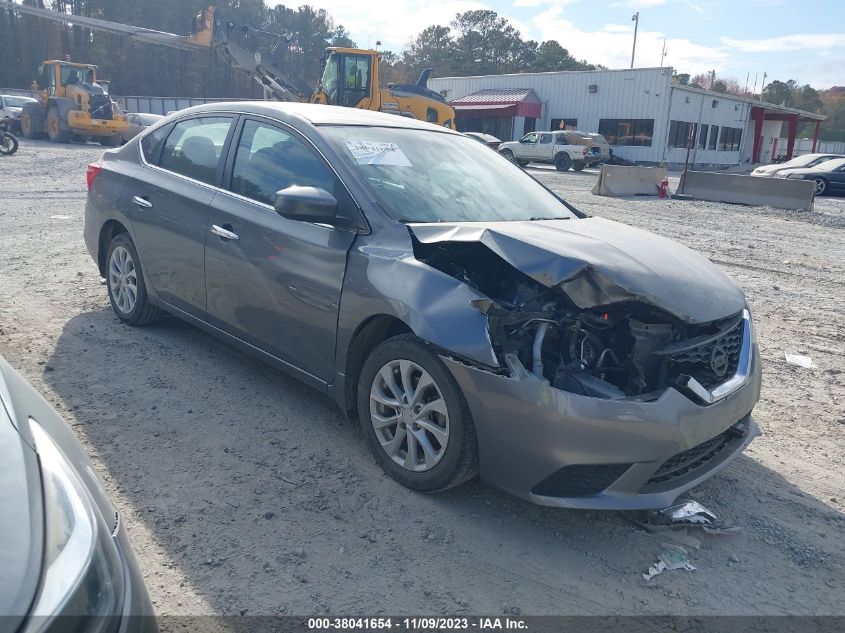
[317, 114]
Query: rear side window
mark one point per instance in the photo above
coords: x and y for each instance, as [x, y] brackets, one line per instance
[545, 139]
[194, 147]
[269, 159]
[152, 143]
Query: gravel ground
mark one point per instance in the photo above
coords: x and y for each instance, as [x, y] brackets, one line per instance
[247, 492]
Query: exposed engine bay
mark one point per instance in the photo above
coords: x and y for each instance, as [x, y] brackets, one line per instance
[622, 350]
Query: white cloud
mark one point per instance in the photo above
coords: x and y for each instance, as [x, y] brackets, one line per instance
[809, 41]
[638, 4]
[611, 46]
[537, 3]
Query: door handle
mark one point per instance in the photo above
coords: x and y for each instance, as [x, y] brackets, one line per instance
[142, 202]
[224, 233]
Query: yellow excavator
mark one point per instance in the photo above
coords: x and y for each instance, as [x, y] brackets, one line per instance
[350, 77]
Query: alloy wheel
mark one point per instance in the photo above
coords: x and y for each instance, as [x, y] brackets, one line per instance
[409, 415]
[821, 185]
[123, 279]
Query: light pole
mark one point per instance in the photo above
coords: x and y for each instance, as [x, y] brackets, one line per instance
[636, 20]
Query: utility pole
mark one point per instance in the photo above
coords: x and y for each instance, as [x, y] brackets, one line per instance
[636, 20]
[663, 54]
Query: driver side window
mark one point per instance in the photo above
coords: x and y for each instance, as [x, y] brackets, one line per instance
[530, 138]
[269, 159]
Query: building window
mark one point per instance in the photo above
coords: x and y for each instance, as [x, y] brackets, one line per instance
[730, 139]
[680, 133]
[714, 137]
[630, 132]
[564, 124]
[530, 125]
[702, 138]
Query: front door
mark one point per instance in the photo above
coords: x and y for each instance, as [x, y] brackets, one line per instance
[169, 204]
[528, 146]
[272, 282]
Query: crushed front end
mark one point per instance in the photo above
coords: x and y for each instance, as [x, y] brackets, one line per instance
[612, 401]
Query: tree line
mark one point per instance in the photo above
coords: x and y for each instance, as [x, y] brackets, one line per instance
[476, 42]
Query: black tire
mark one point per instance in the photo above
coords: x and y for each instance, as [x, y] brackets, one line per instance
[8, 144]
[54, 127]
[821, 186]
[31, 124]
[579, 166]
[459, 462]
[508, 154]
[143, 312]
[563, 162]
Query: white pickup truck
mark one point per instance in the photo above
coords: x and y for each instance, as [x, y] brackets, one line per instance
[564, 150]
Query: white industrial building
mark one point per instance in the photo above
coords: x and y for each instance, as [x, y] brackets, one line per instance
[642, 114]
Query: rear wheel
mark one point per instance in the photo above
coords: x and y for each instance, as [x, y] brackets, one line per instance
[821, 186]
[125, 283]
[563, 162]
[54, 127]
[415, 418]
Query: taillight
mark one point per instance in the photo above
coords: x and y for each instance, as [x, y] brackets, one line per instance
[92, 173]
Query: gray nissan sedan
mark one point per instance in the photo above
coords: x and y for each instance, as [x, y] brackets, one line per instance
[471, 320]
[65, 559]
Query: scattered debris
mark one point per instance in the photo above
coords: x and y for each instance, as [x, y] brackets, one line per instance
[655, 570]
[686, 513]
[676, 558]
[733, 558]
[799, 361]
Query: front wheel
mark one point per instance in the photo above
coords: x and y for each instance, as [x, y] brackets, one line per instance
[820, 186]
[415, 418]
[125, 283]
[509, 155]
[563, 162]
[8, 144]
[54, 127]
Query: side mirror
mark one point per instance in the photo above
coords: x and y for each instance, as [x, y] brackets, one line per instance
[307, 204]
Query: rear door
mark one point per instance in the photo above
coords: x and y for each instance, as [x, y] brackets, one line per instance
[544, 150]
[170, 198]
[272, 282]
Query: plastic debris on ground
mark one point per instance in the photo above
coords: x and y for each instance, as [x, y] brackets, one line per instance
[686, 513]
[672, 557]
[799, 360]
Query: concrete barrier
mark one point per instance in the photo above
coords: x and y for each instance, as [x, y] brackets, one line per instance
[619, 181]
[781, 193]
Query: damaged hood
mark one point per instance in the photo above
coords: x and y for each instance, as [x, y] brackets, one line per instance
[597, 262]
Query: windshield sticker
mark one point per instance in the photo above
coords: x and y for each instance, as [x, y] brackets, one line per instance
[377, 153]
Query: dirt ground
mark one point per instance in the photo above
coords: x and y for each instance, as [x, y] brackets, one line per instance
[247, 492]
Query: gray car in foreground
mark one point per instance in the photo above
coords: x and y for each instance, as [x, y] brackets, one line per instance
[471, 320]
[65, 559]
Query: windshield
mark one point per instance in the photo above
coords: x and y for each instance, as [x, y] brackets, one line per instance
[329, 80]
[428, 176]
[17, 102]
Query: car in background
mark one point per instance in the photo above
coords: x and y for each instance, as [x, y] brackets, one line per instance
[11, 107]
[468, 317]
[565, 150]
[65, 559]
[828, 176]
[487, 139]
[805, 161]
[138, 122]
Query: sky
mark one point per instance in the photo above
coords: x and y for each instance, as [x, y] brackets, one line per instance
[787, 39]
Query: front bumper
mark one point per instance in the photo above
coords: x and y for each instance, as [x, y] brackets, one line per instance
[534, 440]
[138, 615]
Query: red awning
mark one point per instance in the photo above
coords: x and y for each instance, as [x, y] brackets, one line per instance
[484, 106]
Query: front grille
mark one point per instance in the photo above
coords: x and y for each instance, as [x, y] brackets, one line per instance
[580, 480]
[698, 361]
[697, 456]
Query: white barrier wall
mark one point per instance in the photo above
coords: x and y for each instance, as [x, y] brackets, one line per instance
[619, 181]
[781, 193]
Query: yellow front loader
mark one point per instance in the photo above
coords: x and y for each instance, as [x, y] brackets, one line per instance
[71, 102]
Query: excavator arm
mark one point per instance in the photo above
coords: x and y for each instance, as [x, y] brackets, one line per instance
[209, 31]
